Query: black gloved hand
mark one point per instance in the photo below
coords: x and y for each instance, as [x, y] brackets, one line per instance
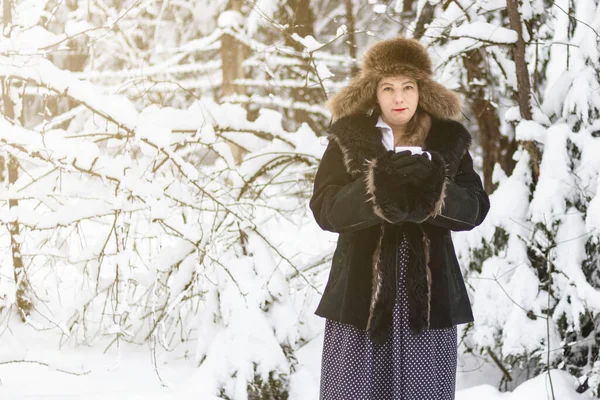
[411, 169]
[405, 188]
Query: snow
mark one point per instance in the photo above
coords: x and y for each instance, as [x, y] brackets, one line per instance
[485, 31]
[261, 14]
[458, 46]
[578, 294]
[230, 19]
[379, 8]
[398, 6]
[323, 71]
[36, 40]
[508, 69]
[555, 178]
[341, 30]
[28, 12]
[537, 388]
[309, 42]
[530, 130]
[589, 14]
[527, 335]
[128, 372]
[44, 73]
[29, 40]
[583, 94]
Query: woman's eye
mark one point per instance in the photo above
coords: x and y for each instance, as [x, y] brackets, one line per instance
[408, 87]
[386, 88]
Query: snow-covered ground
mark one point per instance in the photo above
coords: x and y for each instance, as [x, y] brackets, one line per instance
[130, 373]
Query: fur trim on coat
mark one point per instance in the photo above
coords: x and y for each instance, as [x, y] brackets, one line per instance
[394, 57]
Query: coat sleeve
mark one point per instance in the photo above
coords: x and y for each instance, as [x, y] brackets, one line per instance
[466, 203]
[339, 203]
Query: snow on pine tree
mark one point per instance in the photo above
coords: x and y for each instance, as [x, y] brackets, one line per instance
[532, 267]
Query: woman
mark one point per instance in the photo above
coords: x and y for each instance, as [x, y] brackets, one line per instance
[395, 291]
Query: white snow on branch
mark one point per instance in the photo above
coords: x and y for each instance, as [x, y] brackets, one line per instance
[230, 19]
[485, 31]
[44, 73]
[309, 42]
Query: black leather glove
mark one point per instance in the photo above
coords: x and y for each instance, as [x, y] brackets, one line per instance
[411, 169]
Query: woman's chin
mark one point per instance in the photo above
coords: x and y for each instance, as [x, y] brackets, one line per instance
[398, 119]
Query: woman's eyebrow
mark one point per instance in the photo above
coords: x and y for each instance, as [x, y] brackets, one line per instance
[403, 83]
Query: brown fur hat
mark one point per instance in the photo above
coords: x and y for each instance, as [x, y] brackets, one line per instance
[392, 57]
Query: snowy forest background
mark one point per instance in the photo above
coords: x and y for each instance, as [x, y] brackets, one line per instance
[157, 157]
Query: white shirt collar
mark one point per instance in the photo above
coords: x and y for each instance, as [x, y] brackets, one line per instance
[387, 134]
[382, 124]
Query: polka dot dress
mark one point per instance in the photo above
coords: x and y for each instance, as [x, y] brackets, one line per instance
[405, 367]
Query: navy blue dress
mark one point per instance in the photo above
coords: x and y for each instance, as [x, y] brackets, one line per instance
[406, 367]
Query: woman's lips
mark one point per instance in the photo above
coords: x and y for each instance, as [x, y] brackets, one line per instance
[399, 109]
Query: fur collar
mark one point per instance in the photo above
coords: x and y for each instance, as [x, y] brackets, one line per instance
[360, 141]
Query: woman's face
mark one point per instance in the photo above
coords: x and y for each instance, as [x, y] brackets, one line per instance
[398, 98]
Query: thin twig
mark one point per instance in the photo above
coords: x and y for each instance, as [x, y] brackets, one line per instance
[45, 365]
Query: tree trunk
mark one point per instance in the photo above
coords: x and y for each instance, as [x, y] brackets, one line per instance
[23, 301]
[7, 13]
[232, 56]
[426, 16]
[298, 15]
[512, 8]
[496, 148]
[351, 36]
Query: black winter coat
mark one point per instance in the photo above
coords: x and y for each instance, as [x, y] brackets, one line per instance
[355, 195]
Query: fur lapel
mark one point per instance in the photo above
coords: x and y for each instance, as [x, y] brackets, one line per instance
[360, 141]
